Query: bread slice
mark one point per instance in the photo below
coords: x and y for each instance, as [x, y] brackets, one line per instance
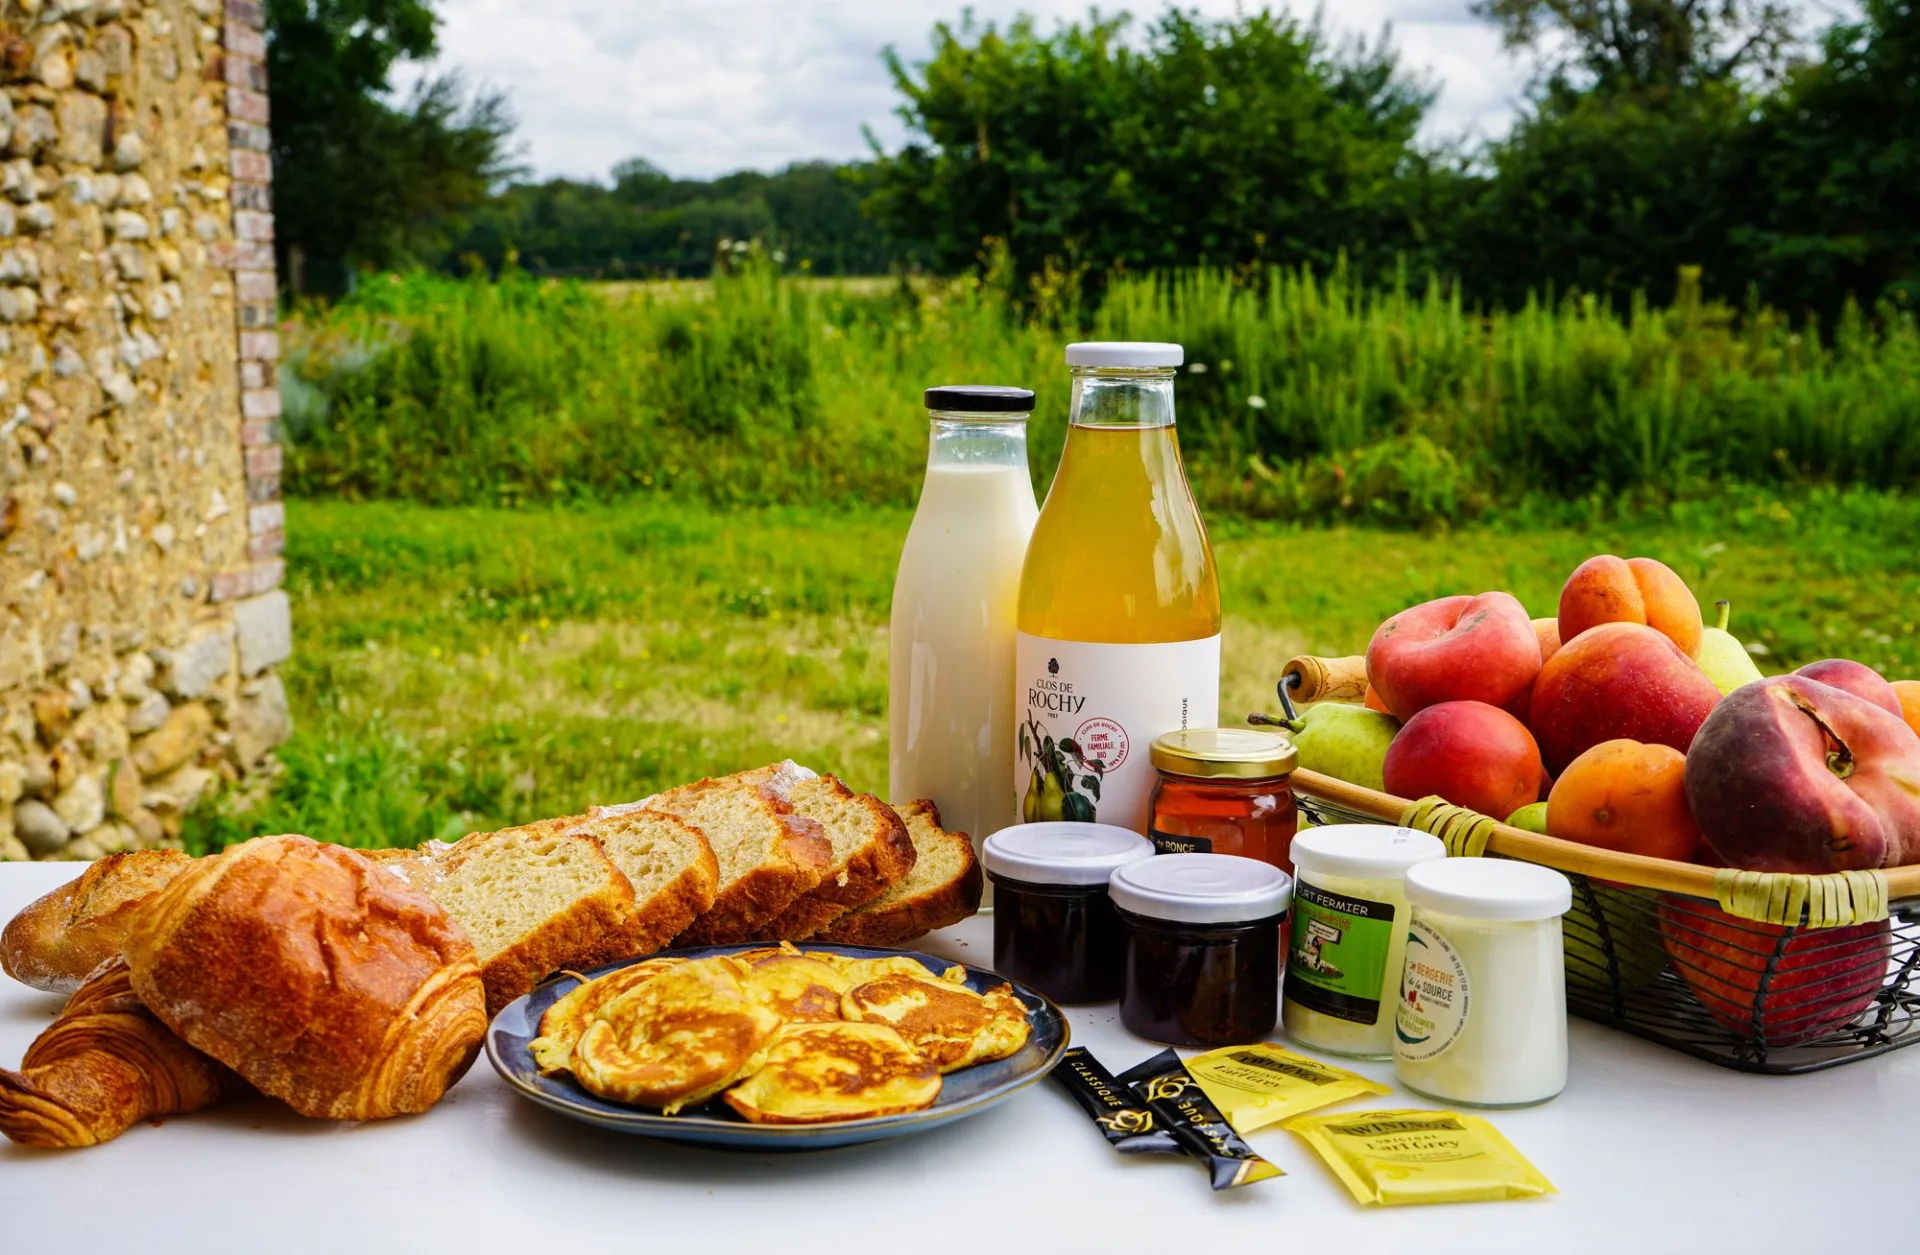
[942, 889]
[672, 870]
[533, 900]
[871, 851]
[767, 854]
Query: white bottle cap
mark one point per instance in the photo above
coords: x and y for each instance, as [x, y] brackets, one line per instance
[1489, 888]
[1062, 852]
[1202, 888]
[1136, 354]
[1362, 851]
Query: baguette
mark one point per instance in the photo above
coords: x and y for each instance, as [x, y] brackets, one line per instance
[57, 941]
[942, 889]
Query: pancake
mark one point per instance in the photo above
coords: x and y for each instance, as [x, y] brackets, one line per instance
[800, 990]
[820, 1073]
[860, 971]
[675, 1039]
[565, 1020]
[949, 1024]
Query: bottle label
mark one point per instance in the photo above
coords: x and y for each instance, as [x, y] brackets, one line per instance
[1337, 961]
[1433, 996]
[1171, 843]
[1087, 714]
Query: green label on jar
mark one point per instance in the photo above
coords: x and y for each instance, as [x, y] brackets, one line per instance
[1337, 964]
[1168, 843]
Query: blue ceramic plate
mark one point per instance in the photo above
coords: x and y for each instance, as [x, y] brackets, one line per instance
[714, 1123]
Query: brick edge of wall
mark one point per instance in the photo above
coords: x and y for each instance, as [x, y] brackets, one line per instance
[250, 258]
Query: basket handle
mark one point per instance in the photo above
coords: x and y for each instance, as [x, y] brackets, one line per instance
[1833, 900]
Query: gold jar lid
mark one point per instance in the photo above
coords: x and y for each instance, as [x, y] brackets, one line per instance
[1225, 753]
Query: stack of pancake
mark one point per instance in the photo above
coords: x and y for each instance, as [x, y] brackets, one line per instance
[781, 1035]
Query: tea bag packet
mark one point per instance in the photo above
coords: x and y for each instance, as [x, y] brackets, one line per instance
[1129, 1127]
[1176, 1100]
[1390, 1158]
[1264, 1084]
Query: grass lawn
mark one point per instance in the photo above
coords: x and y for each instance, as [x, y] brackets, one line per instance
[465, 668]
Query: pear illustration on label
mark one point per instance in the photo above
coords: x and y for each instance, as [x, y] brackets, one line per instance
[1063, 777]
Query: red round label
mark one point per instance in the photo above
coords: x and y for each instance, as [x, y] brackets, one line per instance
[1102, 739]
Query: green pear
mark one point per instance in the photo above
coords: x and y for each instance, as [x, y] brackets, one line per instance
[1345, 741]
[1530, 818]
[1724, 659]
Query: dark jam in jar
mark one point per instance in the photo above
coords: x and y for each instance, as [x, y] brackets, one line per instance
[1203, 948]
[1224, 791]
[1054, 927]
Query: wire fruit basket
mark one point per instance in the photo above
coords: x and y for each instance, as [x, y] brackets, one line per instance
[1759, 971]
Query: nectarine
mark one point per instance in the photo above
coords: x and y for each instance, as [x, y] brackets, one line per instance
[1472, 754]
[1622, 795]
[1618, 680]
[1453, 649]
[1606, 589]
[1771, 984]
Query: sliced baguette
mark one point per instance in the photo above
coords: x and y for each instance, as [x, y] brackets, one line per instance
[871, 851]
[943, 888]
[533, 900]
[672, 870]
[767, 854]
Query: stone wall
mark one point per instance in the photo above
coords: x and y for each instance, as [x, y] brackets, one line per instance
[140, 521]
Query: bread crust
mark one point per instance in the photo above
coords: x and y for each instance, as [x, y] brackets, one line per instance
[940, 906]
[57, 941]
[665, 915]
[318, 977]
[869, 871]
[794, 865]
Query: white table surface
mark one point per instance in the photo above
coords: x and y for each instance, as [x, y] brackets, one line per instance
[1651, 1151]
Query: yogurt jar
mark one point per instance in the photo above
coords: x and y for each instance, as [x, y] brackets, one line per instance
[1482, 1019]
[1203, 947]
[1054, 928]
[1349, 935]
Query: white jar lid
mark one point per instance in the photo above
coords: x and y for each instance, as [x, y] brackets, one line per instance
[1062, 852]
[1139, 354]
[1362, 851]
[1202, 888]
[1489, 888]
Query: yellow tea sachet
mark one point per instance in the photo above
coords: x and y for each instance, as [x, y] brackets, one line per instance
[1263, 1084]
[1387, 1158]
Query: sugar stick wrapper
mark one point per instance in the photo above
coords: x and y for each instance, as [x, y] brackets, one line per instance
[1129, 1126]
[1172, 1095]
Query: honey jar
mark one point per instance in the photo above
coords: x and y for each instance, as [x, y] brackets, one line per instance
[1224, 791]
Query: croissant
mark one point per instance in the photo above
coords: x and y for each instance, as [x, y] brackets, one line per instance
[322, 980]
[105, 1063]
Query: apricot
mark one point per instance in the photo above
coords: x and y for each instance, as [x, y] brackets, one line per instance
[1472, 754]
[1548, 633]
[1606, 589]
[1618, 680]
[1908, 691]
[1626, 796]
[1374, 702]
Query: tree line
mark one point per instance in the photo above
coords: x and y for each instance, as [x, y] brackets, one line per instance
[1656, 135]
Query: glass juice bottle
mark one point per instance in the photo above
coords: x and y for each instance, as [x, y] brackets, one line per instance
[950, 705]
[1119, 606]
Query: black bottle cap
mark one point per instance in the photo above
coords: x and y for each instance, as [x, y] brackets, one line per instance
[980, 398]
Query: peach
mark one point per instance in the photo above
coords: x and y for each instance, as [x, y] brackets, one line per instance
[1622, 795]
[1547, 631]
[1455, 649]
[1856, 678]
[1791, 775]
[1615, 681]
[1472, 754]
[1908, 691]
[1607, 589]
[1771, 984]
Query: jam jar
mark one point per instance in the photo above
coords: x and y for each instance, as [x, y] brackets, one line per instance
[1203, 947]
[1054, 928]
[1224, 791]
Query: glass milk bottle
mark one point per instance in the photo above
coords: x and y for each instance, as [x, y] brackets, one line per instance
[1119, 605]
[950, 708]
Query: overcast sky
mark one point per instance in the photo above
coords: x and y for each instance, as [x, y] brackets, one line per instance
[703, 87]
